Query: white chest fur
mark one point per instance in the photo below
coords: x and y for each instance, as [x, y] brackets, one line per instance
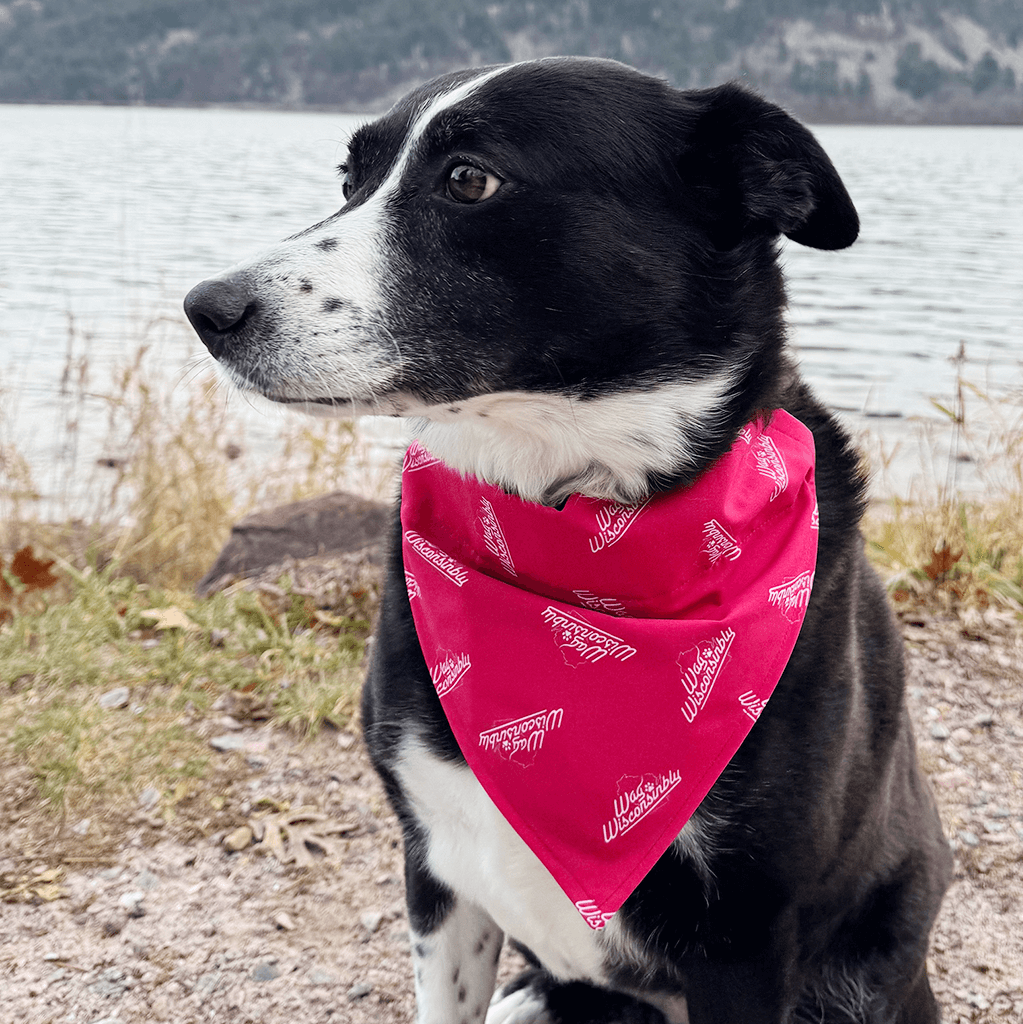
[474, 851]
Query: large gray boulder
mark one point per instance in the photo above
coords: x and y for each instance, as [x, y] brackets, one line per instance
[331, 524]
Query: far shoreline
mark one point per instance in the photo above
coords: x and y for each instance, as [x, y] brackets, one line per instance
[811, 113]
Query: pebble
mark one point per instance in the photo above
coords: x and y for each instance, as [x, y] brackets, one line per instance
[318, 976]
[953, 779]
[208, 982]
[371, 920]
[132, 903]
[969, 838]
[107, 1020]
[149, 797]
[265, 971]
[940, 732]
[284, 921]
[147, 881]
[962, 735]
[229, 741]
[117, 698]
[984, 719]
[238, 839]
[359, 991]
[111, 984]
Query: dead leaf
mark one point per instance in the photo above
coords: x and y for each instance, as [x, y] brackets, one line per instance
[942, 561]
[328, 620]
[26, 575]
[44, 886]
[33, 572]
[292, 836]
[169, 618]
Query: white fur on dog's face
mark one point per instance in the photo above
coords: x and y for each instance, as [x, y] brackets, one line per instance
[336, 355]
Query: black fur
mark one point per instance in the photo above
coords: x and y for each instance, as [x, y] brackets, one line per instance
[632, 244]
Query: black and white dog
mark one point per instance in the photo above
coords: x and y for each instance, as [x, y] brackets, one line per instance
[564, 273]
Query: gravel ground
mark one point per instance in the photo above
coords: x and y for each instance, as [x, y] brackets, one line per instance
[169, 925]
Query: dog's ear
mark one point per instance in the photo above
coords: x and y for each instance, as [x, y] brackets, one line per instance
[755, 168]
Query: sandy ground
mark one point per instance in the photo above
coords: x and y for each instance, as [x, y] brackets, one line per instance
[167, 924]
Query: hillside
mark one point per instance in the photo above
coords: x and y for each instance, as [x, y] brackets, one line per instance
[903, 60]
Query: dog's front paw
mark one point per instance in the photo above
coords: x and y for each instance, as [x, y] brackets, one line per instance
[519, 1006]
[537, 998]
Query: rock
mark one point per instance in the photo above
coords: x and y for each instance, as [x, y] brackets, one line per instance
[265, 971]
[318, 976]
[209, 982]
[371, 920]
[962, 735]
[953, 779]
[238, 839]
[132, 903]
[330, 524]
[359, 991]
[984, 719]
[111, 984]
[147, 881]
[149, 798]
[229, 741]
[283, 921]
[940, 732]
[116, 698]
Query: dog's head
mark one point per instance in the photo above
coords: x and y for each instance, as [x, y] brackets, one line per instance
[563, 271]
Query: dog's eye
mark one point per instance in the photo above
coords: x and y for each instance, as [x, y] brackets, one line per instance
[469, 184]
[347, 185]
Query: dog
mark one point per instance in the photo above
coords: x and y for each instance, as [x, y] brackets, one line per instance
[564, 274]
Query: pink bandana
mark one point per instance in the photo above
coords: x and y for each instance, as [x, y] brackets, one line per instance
[601, 664]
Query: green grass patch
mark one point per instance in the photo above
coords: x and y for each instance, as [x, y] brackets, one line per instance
[176, 656]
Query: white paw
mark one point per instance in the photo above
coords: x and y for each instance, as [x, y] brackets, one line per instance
[521, 1007]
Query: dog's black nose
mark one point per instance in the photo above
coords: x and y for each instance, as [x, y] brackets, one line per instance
[216, 309]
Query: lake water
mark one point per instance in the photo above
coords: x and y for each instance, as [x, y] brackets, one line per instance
[109, 215]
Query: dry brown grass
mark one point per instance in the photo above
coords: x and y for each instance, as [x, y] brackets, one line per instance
[961, 546]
